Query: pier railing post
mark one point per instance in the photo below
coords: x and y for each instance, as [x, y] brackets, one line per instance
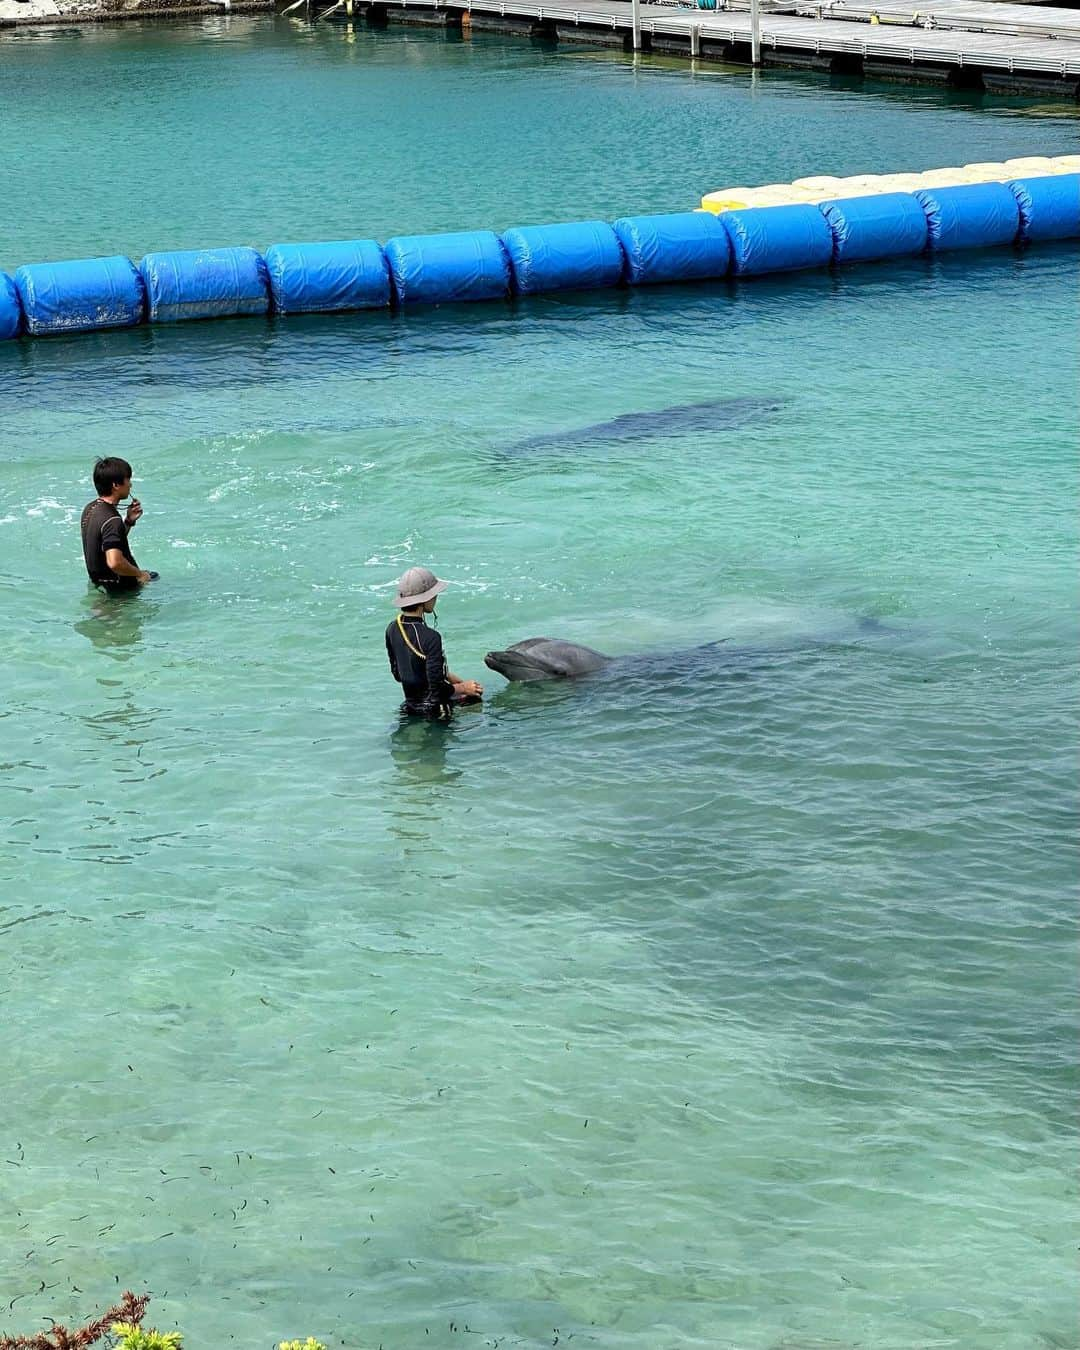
[755, 33]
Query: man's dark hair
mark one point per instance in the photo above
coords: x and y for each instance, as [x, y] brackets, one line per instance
[109, 472]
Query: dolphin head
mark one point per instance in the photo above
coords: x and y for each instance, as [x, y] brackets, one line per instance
[545, 659]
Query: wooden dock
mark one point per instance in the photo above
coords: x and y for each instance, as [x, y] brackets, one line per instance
[971, 43]
[970, 16]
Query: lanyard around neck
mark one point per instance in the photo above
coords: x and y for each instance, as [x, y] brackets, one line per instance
[405, 638]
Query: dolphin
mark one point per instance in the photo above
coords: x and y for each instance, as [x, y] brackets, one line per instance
[684, 420]
[542, 658]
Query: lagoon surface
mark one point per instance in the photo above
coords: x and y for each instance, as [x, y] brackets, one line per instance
[726, 999]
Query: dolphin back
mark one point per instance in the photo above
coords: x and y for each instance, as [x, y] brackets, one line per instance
[542, 658]
[683, 420]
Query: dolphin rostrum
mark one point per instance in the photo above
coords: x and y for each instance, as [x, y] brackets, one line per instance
[713, 415]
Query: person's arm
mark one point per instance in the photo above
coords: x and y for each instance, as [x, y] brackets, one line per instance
[465, 686]
[470, 687]
[113, 534]
[122, 567]
[390, 657]
[134, 511]
[435, 667]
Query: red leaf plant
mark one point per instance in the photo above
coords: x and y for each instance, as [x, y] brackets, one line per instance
[131, 1308]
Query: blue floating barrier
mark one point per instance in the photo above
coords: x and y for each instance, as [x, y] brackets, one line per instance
[557, 257]
[78, 296]
[432, 269]
[777, 238]
[345, 274]
[890, 225]
[205, 283]
[10, 309]
[683, 246]
[975, 215]
[1049, 207]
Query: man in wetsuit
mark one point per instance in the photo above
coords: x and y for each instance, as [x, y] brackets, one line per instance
[109, 563]
[416, 655]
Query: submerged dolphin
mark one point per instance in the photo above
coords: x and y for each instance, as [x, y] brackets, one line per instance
[542, 658]
[684, 420]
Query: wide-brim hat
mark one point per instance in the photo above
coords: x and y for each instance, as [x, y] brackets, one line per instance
[417, 586]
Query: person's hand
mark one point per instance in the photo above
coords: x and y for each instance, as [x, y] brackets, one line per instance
[470, 687]
[144, 577]
[134, 511]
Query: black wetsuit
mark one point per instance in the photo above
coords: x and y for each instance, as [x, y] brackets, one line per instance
[104, 528]
[420, 672]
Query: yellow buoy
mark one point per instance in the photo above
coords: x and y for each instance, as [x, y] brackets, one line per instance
[827, 187]
[727, 199]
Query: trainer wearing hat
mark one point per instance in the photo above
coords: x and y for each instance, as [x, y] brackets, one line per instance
[416, 653]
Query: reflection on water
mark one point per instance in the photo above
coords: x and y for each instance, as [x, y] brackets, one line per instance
[418, 799]
[418, 748]
[116, 622]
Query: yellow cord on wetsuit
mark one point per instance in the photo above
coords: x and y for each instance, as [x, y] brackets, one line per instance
[405, 639]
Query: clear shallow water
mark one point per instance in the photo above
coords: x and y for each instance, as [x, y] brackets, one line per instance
[724, 1000]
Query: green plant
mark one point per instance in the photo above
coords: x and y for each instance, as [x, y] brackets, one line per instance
[131, 1337]
[129, 1311]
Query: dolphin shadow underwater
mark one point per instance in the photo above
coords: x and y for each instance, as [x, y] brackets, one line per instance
[686, 419]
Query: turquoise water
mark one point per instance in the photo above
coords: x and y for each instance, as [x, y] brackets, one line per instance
[726, 999]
